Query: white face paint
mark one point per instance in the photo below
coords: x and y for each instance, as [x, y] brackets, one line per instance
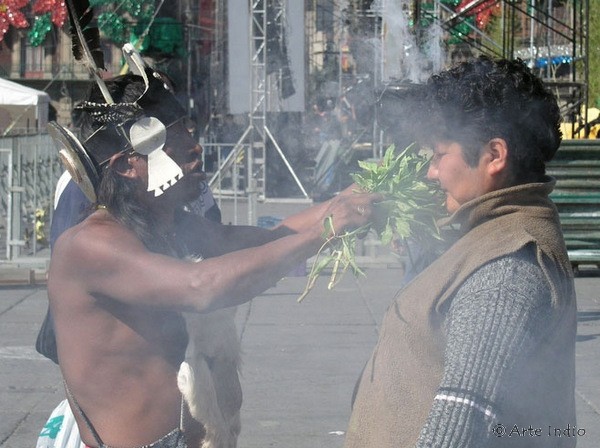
[148, 136]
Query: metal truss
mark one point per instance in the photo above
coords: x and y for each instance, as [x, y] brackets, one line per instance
[551, 36]
[257, 137]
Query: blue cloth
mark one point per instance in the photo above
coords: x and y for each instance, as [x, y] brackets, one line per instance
[71, 209]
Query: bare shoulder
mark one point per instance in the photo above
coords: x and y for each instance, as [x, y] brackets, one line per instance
[101, 258]
[95, 238]
[91, 249]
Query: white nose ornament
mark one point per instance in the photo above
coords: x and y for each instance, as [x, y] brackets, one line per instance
[148, 136]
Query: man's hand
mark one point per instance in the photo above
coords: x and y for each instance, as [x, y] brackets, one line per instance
[351, 210]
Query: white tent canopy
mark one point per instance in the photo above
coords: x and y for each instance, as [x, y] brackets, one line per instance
[33, 104]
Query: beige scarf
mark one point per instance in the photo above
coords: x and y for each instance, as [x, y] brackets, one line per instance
[400, 380]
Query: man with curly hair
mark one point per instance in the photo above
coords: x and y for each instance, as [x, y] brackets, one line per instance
[478, 350]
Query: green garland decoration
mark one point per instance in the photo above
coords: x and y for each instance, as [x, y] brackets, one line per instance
[41, 27]
[113, 27]
[164, 37]
[114, 22]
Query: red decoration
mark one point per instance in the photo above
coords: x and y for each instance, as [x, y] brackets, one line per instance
[482, 12]
[10, 15]
[57, 8]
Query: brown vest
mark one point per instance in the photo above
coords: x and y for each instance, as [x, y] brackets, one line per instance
[400, 380]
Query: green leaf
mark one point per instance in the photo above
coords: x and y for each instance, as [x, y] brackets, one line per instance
[388, 234]
[410, 207]
[329, 229]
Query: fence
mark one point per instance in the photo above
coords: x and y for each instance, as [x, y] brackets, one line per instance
[29, 167]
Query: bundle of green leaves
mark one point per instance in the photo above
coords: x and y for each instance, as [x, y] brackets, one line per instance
[409, 209]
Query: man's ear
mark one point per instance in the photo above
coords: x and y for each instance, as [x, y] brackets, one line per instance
[121, 163]
[496, 156]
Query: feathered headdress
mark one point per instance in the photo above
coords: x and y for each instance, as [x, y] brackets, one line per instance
[146, 136]
[85, 41]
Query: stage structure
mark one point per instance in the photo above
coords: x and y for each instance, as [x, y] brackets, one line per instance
[550, 35]
[257, 34]
[395, 42]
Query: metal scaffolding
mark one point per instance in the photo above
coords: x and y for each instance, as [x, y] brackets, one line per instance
[257, 138]
[551, 36]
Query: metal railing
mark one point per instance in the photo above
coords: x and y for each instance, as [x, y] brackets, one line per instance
[29, 168]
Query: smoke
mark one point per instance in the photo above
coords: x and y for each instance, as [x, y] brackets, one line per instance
[408, 52]
[434, 47]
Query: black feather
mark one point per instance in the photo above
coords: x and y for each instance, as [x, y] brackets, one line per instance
[80, 13]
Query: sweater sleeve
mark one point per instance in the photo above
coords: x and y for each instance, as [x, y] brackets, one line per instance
[493, 320]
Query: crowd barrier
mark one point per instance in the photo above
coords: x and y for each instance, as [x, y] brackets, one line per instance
[29, 167]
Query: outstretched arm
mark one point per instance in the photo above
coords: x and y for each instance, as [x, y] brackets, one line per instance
[215, 239]
[103, 258]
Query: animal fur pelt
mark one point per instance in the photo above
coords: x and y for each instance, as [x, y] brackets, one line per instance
[209, 379]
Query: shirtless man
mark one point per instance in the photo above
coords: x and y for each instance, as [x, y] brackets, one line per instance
[119, 281]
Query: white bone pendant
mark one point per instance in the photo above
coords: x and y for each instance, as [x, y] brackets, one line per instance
[148, 136]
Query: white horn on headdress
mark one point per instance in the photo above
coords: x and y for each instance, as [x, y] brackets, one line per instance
[136, 63]
[148, 136]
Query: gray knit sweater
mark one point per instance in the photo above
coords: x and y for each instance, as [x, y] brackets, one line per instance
[504, 354]
[494, 318]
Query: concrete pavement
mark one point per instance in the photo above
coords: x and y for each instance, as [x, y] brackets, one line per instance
[300, 360]
[30, 385]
